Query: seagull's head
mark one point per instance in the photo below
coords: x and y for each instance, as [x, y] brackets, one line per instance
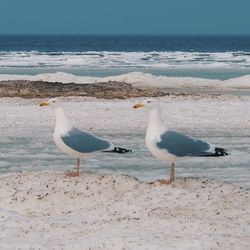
[53, 102]
[149, 104]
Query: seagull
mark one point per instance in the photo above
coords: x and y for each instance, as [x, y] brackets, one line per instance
[75, 142]
[168, 145]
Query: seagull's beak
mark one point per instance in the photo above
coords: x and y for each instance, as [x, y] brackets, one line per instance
[41, 104]
[138, 105]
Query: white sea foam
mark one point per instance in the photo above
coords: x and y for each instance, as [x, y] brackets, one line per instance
[140, 79]
[175, 59]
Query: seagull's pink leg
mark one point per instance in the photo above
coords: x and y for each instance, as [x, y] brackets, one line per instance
[172, 176]
[77, 173]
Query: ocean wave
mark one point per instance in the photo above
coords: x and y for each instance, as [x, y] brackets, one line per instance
[153, 59]
[139, 79]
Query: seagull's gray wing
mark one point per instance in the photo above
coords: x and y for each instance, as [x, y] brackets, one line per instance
[181, 145]
[83, 142]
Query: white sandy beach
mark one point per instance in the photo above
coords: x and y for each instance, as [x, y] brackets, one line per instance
[45, 210]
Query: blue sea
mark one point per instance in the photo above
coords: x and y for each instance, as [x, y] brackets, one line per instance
[210, 57]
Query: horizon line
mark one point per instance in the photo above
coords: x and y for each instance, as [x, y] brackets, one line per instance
[139, 35]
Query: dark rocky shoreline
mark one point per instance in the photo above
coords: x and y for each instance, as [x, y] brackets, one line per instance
[42, 89]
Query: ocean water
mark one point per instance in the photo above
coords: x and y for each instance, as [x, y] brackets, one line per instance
[98, 56]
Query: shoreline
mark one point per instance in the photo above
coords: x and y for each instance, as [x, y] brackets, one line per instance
[108, 211]
[103, 90]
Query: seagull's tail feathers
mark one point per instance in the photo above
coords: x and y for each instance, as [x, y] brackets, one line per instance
[217, 153]
[118, 150]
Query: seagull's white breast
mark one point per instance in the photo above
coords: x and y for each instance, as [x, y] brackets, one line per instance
[162, 154]
[154, 130]
[63, 126]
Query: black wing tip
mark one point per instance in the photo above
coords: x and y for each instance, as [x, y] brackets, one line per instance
[220, 152]
[119, 150]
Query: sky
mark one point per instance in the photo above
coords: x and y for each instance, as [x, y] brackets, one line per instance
[125, 17]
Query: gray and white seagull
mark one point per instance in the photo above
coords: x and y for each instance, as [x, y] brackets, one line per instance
[75, 142]
[168, 145]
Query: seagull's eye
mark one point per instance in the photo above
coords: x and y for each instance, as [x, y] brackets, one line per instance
[54, 101]
[148, 101]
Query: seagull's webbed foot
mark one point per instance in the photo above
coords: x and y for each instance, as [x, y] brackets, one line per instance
[72, 174]
[77, 172]
[171, 178]
[164, 181]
